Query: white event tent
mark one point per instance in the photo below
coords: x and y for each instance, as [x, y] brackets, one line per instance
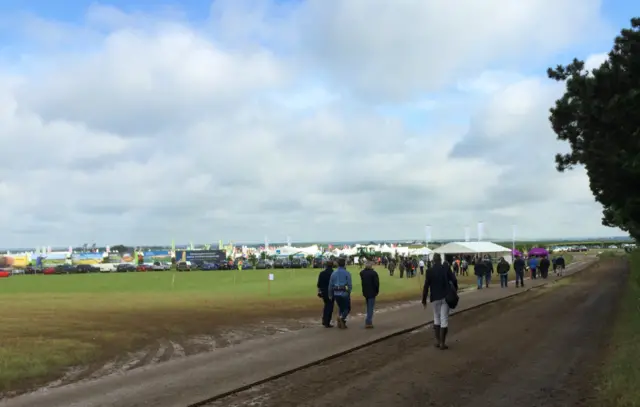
[474, 248]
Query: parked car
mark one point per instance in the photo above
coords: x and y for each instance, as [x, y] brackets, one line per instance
[318, 263]
[282, 263]
[125, 267]
[65, 269]
[208, 266]
[246, 264]
[49, 270]
[86, 268]
[157, 266]
[15, 272]
[183, 266]
[225, 265]
[264, 264]
[32, 270]
[299, 263]
[143, 267]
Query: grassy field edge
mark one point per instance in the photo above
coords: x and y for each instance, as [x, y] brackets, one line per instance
[621, 371]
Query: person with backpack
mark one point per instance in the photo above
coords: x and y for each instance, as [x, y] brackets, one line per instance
[438, 284]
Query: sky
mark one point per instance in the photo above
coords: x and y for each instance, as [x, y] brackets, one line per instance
[140, 122]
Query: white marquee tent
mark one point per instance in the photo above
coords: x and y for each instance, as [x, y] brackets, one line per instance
[473, 248]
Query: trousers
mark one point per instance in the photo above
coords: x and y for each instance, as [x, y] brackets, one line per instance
[440, 313]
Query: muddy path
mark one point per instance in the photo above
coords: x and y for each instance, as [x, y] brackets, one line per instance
[539, 348]
[163, 350]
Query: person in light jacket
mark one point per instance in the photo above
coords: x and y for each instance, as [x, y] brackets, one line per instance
[340, 288]
[370, 290]
[439, 280]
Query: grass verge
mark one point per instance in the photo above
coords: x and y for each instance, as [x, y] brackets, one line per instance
[51, 323]
[621, 371]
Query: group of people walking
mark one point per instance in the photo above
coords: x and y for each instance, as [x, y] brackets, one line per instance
[335, 287]
[441, 284]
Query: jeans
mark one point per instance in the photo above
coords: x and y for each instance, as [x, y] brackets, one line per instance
[487, 279]
[480, 280]
[344, 306]
[327, 311]
[371, 303]
[520, 277]
[504, 279]
[534, 274]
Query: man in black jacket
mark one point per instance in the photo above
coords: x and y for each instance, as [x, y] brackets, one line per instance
[370, 290]
[323, 292]
[489, 271]
[503, 271]
[544, 266]
[480, 270]
[558, 265]
[518, 266]
[439, 280]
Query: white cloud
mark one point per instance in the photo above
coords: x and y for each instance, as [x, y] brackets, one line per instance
[163, 129]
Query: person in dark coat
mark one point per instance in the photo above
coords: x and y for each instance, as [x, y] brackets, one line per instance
[503, 271]
[544, 266]
[439, 280]
[487, 277]
[401, 267]
[558, 265]
[392, 267]
[480, 270]
[323, 293]
[370, 290]
[518, 266]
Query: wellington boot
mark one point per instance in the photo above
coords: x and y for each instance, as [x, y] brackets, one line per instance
[436, 331]
[443, 338]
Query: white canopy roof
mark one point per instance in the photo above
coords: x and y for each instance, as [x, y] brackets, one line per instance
[471, 247]
[422, 251]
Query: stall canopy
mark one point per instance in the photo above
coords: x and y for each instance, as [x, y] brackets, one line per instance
[471, 248]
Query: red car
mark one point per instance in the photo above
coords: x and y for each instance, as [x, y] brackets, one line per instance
[143, 267]
[49, 270]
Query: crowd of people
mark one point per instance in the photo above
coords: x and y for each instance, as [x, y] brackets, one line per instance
[440, 286]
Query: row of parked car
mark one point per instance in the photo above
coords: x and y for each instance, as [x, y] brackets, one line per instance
[243, 264]
[92, 268]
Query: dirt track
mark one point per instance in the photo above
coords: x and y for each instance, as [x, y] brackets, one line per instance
[540, 348]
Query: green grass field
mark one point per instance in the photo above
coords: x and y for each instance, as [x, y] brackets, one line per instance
[621, 374]
[48, 323]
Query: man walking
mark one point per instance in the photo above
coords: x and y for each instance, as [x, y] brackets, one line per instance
[421, 265]
[519, 266]
[370, 290]
[438, 282]
[503, 271]
[544, 266]
[487, 277]
[340, 288]
[558, 266]
[323, 292]
[480, 270]
[533, 266]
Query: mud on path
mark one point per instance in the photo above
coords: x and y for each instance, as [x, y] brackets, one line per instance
[222, 334]
[541, 348]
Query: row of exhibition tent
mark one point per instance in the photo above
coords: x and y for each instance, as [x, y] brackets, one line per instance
[21, 260]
